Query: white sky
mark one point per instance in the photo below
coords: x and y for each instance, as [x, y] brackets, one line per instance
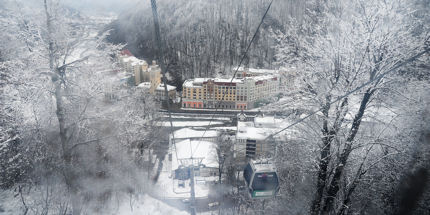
[105, 6]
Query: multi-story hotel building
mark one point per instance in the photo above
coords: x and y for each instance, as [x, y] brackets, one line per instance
[239, 93]
[146, 76]
[140, 69]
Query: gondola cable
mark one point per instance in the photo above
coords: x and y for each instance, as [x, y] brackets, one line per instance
[234, 75]
[163, 70]
[378, 78]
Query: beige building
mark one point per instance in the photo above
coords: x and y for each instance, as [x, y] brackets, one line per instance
[240, 93]
[140, 69]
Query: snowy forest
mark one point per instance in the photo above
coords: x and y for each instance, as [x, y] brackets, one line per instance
[352, 123]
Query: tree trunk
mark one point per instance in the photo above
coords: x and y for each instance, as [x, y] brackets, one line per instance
[58, 80]
[324, 160]
[334, 185]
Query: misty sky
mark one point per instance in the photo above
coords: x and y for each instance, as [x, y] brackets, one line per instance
[106, 6]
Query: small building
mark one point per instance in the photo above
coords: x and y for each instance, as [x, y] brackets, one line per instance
[160, 92]
[244, 117]
[252, 137]
[253, 72]
[152, 75]
[204, 159]
[145, 85]
[194, 134]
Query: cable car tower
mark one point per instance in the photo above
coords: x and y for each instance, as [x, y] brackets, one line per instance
[261, 179]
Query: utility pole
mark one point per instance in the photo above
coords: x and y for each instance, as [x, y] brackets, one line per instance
[193, 193]
[192, 183]
[193, 163]
[264, 202]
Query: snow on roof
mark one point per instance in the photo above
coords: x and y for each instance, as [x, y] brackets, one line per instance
[192, 82]
[154, 67]
[200, 80]
[253, 133]
[126, 52]
[138, 63]
[134, 61]
[169, 87]
[265, 121]
[228, 80]
[256, 71]
[145, 85]
[262, 77]
[191, 133]
[263, 166]
[259, 129]
[200, 149]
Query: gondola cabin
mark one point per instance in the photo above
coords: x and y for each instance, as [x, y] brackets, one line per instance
[261, 179]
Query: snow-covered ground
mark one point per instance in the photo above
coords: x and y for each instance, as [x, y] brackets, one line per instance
[195, 133]
[205, 118]
[139, 205]
[147, 205]
[168, 188]
[191, 123]
[219, 109]
[9, 205]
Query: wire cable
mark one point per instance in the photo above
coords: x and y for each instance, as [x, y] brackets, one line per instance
[163, 69]
[379, 77]
[234, 75]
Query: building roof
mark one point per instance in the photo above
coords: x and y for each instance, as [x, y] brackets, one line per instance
[259, 129]
[228, 80]
[169, 87]
[134, 61]
[126, 52]
[256, 71]
[198, 82]
[262, 77]
[195, 83]
[145, 85]
[138, 62]
[200, 149]
[247, 131]
[265, 122]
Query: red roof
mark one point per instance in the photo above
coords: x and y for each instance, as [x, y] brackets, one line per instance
[126, 52]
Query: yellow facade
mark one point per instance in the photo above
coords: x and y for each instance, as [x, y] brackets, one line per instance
[221, 93]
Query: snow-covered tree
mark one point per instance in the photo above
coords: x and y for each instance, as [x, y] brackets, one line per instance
[340, 47]
[13, 162]
[79, 122]
[224, 146]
